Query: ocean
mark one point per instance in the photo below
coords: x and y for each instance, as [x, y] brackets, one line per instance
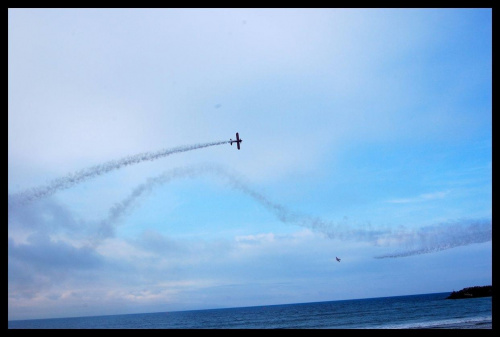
[426, 311]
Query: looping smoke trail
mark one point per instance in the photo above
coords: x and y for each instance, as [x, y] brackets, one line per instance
[432, 238]
[97, 170]
[233, 181]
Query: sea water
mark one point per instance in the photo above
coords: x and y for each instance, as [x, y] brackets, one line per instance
[428, 311]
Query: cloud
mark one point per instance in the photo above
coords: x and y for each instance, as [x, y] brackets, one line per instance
[47, 254]
[420, 198]
[153, 272]
[255, 239]
[58, 246]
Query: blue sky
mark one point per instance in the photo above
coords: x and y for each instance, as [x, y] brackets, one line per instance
[367, 135]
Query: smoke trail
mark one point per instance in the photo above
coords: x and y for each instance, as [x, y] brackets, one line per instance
[106, 227]
[428, 239]
[97, 170]
[436, 238]
[233, 181]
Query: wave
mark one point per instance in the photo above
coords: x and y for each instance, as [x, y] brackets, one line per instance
[483, 322]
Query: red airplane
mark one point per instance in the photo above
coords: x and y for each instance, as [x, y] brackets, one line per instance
[237, 141]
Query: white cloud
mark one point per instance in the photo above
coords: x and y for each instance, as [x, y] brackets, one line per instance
[249, 240]
[421, 198]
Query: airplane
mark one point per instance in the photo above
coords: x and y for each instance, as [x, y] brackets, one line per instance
[237, 141]
[338, 260]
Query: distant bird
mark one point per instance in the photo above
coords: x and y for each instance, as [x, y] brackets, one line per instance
[338, 260]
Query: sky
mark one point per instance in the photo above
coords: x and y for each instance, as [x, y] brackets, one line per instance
[367, 135]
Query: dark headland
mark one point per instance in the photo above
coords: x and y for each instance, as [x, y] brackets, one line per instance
[472, 292]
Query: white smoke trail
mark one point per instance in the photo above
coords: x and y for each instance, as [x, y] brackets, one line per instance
[97, 170]
[282, 213]
[445, 236]
[428, 239]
